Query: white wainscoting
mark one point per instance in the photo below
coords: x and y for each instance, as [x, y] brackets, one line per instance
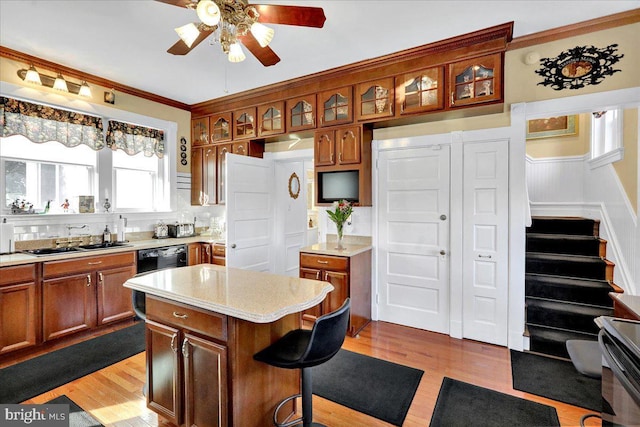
[569, 187]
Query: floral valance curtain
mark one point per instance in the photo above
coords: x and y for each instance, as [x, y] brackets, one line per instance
[134, 139]
[41, 123]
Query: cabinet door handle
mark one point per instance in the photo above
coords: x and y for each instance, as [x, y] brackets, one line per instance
[100, 277]
[323, 262]
[180, 315]
[185, 347]
[173, 343]
[340, 157]
[94, 263]
[452, 98]
[326, 276]
[318, 275]
[484, 256]
[88, 280]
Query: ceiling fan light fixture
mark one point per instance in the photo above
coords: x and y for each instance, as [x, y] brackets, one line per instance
[188, 33]
[208, 12]
[60, 84]
[262, 33]
[235, 53]
[85, 90]
[33, 76]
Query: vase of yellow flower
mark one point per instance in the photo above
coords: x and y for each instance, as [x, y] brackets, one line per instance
[339, 213]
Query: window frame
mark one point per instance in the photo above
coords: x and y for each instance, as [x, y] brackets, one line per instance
[603, 132]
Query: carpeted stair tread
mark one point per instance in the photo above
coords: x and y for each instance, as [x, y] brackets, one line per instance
[591, 267]
[564, 315]
[564, 244]
[552, 341]
[564, 225]
[571, 289]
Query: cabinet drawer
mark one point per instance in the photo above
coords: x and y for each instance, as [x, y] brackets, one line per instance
[324, 262]
[17, 274]
[91, 263]
[204, 322]
[219, 250]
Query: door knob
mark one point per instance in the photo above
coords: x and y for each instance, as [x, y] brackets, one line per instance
[443, 217]
[233, 246]
[443, 252]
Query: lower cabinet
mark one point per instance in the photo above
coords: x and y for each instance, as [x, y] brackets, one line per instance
[350, 277]
[19, 308]
[83, 293]
[207, 253]
[186, 368]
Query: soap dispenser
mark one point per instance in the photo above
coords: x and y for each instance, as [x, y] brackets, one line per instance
[106, 235]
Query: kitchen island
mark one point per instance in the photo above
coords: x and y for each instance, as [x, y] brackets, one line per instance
[204, 324]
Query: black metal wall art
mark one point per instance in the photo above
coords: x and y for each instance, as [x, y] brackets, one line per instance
[579, 67]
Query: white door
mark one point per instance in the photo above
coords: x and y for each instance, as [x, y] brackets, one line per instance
[413, 212]
[250, 213]
[291, 216]
[485, 241]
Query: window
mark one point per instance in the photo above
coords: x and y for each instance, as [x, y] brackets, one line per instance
[606, 137]
[42, 172]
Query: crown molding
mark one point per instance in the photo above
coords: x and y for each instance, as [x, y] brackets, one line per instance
[590, 26]
[89, 78]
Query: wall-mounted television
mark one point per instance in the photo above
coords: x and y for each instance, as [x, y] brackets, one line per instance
[339, 185]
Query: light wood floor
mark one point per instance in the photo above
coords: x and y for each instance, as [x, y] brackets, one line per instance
[114, 395]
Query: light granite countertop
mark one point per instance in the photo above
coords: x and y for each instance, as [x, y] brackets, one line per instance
[249, 295]
[353, 245]
[20, 258]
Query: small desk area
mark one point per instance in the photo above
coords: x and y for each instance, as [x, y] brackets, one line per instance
[204, 324]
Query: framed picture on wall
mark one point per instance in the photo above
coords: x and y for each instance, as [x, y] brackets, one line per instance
[552, 127]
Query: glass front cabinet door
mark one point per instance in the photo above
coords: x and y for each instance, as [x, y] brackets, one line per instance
[301, 113]
[475, 81]
[271, 119]
[220, 127]
[244, 123]
[336, 106]
[375, 99]
[200, 131]
[420, 91]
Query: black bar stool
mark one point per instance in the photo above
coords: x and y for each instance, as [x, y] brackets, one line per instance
[303, 349]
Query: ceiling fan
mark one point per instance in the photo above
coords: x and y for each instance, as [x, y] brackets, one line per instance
[235, 22]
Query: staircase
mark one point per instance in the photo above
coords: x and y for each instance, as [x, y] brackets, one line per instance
[567, 284]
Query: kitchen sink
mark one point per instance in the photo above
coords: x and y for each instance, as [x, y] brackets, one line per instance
[51, 251]
[103, 246]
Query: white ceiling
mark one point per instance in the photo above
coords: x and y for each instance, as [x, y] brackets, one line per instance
[126, 40]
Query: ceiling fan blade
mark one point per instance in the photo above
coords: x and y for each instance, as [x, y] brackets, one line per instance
[181, 48]
[179, 3]
[303, 16]
[263, 54]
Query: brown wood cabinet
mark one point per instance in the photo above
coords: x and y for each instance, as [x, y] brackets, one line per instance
[244, 123]
[83, 293]
[375, 99]
[19, 307]
[187, 374]
[350, 277]
[336, 106]
[301, 113]
[194, 253]
[207, 253]
[420, 91]
[271, 119]
[204, 166]
[200, 366]
[342, 146]
[199, 131]
[474, 81]
[220, 127]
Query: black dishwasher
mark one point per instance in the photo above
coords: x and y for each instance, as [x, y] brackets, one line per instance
[161, 258]
[156, 259]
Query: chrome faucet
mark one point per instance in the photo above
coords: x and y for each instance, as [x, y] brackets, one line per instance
[75, 227]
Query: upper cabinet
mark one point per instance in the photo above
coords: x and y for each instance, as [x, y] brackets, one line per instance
[336, 106]
[220, 127]
[475, 81]
[200, 131]
[420, 91]
[244, 123]
[340, 146]
[271, 119]
[301, 113]
[375, 99]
